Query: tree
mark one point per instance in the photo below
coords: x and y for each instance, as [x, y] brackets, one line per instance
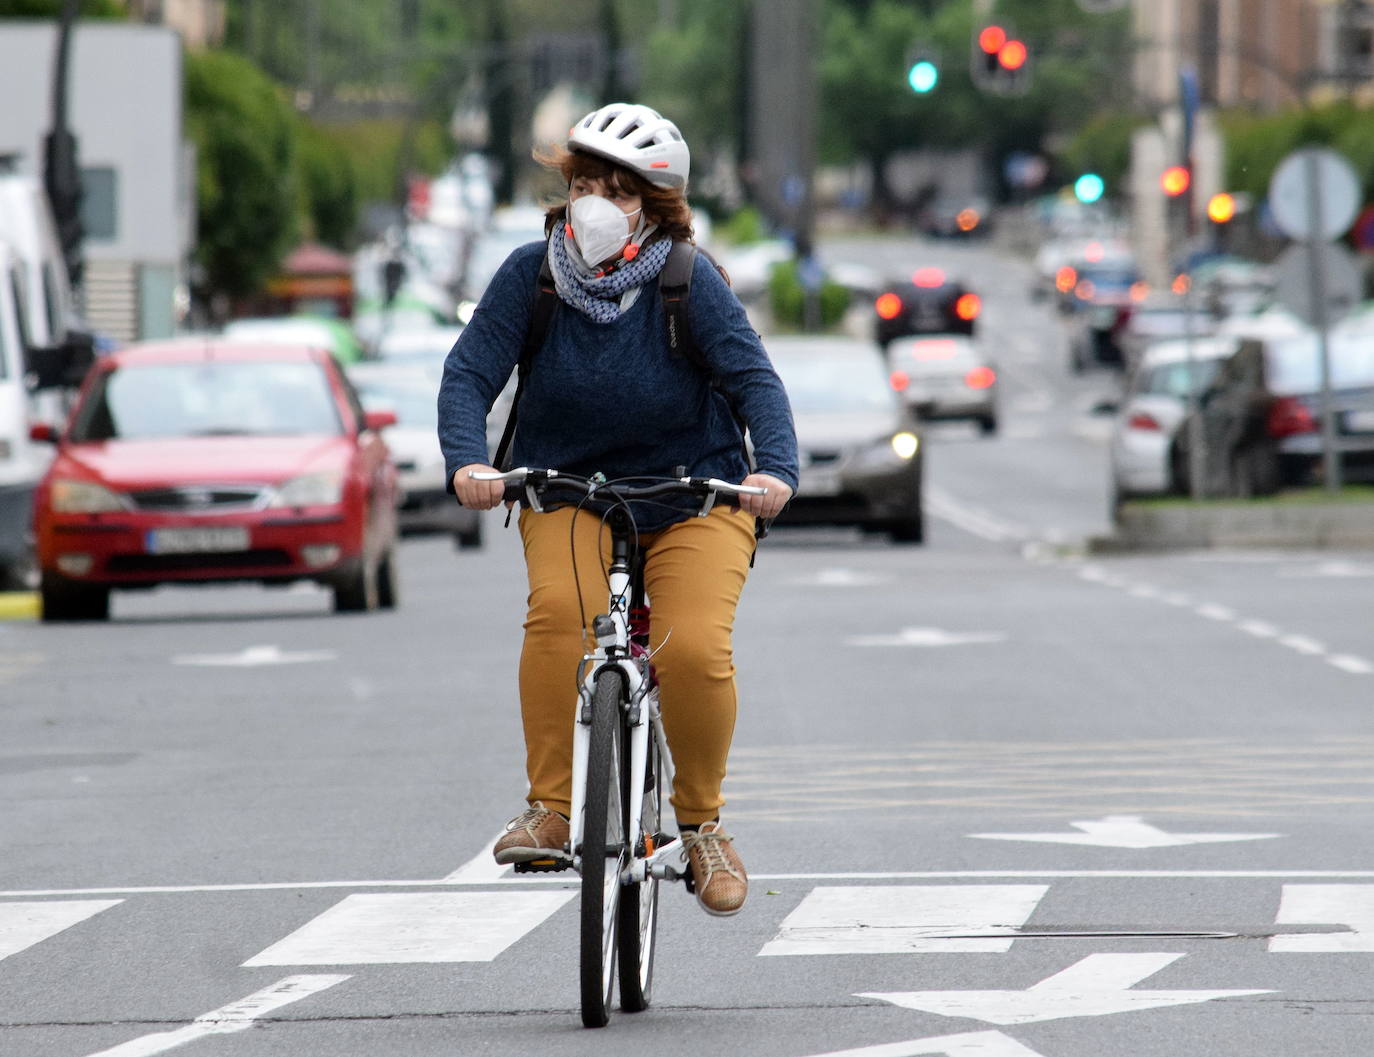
[246, 182]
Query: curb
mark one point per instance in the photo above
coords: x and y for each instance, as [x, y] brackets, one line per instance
[1316, 526]
[19, 605]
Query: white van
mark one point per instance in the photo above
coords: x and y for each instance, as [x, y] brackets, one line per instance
[42, 358]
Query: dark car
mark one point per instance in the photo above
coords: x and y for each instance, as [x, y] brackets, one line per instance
[205, 461]
[1262, 415]
[930, 302]
[860, 448]
[1099, 302]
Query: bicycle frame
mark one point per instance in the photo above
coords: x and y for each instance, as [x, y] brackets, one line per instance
[644, 719]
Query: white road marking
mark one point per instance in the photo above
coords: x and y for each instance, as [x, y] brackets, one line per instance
[569, 881]
[928, 637]
[1354, 665]
[24, 924]
[905, 919]
[1350, 905]
[1094, 987]
[1303, 644]
[1125, 831]
[838, 578]
[385, 929]
[1259, 628]
[481, 868]
[980, 523]
[1215, 612]
[1329, 569]
[967, 1044]
[227, 1019]
[254, 657]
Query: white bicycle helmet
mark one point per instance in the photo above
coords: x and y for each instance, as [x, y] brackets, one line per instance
[637, 137]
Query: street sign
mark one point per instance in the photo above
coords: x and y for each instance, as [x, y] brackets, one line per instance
[1314, 194]
[1342, 287]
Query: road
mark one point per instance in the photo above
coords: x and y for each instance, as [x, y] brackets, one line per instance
[997, 798]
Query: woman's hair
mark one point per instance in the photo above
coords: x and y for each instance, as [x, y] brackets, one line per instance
[665, 206]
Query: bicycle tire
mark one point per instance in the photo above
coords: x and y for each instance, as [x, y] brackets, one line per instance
[637, 929]
[605, 852]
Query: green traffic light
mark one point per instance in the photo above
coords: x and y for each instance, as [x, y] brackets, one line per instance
[923, 76]
[1089, 187]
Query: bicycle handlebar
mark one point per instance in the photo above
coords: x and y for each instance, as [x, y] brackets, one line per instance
[525, 482]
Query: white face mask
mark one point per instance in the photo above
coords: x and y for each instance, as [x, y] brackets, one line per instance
[599, 228]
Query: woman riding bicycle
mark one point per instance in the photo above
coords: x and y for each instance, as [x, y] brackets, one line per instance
[605, 394]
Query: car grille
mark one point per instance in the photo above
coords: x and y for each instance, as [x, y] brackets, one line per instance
[820, 458]
[215, 498]
[264, 557]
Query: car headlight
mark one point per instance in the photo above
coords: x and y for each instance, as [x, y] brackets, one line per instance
[311, 489]
[889, 453]
[83, 497]
[905, 444]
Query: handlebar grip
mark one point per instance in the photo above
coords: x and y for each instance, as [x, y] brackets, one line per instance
[515, 491]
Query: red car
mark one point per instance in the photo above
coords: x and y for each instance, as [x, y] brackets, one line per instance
[198, 461]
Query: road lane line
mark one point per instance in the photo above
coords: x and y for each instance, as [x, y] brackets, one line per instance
[1348, 905]
[1354, 665]
[1215, 612]
[227, 1019]
[1303, 644]
[24, 924]
[414, 927]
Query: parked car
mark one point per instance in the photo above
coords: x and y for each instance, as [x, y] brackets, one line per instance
[323, 332]
[861, 449]
[410, 392]
[1099, 302]
[203, 461]
[945, 376]
[1262, 414]
[1157, 318]
[1155, 403]
[930, 302]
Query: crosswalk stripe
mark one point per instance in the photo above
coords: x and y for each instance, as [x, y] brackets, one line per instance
[392, 928]
[905, 919]
[24, 924]
[1348, 905]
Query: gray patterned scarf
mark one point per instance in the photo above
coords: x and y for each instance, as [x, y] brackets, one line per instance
[598, 297]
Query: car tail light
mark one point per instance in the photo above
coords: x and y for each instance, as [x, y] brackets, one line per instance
[928, 278]
[968, 306]
[980, 378]
[889, 306]
[1094, 251]
[967, 219]
[1143, 421]
[1139, 291]
[899, 381]
[1085, 290]
[1065, 279]
[1289, 416]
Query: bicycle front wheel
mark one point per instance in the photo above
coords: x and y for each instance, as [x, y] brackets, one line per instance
[637, 929]
[605, 851]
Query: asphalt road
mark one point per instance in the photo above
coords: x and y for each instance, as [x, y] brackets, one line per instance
[996, 798]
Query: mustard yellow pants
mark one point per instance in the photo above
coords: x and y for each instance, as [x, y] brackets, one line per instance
[694, 572]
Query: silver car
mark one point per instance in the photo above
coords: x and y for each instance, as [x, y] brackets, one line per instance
[945, 376]
[861, 449]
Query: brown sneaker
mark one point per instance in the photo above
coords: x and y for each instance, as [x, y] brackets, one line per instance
[535, 834]
[717, 872]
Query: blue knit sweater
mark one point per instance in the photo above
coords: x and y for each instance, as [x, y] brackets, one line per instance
[610, 397]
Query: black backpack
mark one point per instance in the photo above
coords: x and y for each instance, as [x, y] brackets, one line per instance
[674, 285]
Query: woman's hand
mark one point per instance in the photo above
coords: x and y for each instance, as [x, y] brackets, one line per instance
[767, 505]
[478, 495]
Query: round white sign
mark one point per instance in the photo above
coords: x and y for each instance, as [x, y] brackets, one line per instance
[1333, 265]
[1314, 194]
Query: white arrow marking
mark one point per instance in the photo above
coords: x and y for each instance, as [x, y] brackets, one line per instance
[254, 656]
[838, 578]
[969, 1044]
[1350, 905]
[1094, 987]
[234, 1017]
[1125, 831]
[928, 637]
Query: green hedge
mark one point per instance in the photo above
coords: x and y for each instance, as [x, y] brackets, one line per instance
[788, 300]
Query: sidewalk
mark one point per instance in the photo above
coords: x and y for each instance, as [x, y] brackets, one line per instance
[1306, 521]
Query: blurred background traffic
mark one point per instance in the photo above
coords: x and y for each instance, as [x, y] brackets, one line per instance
[1146, 219]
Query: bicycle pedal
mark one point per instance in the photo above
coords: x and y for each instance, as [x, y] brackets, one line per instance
[543, 866]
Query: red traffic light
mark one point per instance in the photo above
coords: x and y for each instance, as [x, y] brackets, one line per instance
[992, 38]
[1175, 180]
[1012, 55]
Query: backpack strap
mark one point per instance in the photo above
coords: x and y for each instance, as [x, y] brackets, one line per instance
[545, 302]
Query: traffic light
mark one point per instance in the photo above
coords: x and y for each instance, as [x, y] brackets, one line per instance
[1001, 62]
[1175, 180]
[1089, 187]
[922, 69]
[1221, 208]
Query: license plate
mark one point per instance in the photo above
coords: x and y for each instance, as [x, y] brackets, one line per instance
[197, 540]
[1359, 421]
[819, 482]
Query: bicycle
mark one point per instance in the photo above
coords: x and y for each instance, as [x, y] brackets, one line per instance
[616, 841]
